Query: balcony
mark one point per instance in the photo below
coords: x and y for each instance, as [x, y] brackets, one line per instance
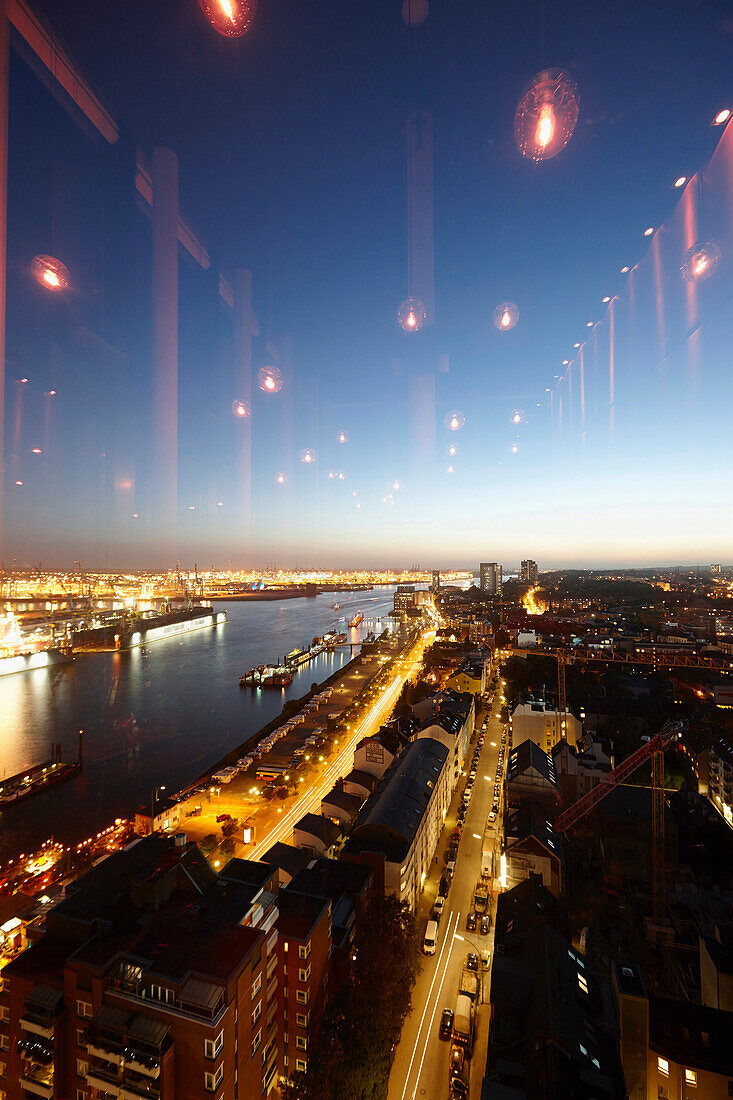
[38, 1083]
[272, 988]
[136, 1087]
[107, 1081]
[147, 1065]
[272, 942]
[37, 1025]
[101, 1049]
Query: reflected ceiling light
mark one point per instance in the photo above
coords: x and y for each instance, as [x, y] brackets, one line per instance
[281, 478]
[308, 456]
[241, 409]
[452, 449]
[515, 448]
[454, 421]
[37, 451]
[680, 181]
[411, 315]
[648, 231]
[342, 437]
[506, 316]
[269, 379]
[50, 273]
[232, 18]
[546, 115]
[721, 117]
[517, 416]
[415, 12]
[19, 483]
[700, 261]
[220, 504]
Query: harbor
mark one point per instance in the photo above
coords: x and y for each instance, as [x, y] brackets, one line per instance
[158, 713]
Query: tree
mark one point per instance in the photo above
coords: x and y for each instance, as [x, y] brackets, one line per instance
[350, 1056]
[229, 828]
[228, 845]
[208, 844]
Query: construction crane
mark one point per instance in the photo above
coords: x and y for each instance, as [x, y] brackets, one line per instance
[653, 748]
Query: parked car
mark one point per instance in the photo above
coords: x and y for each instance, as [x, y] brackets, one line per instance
[446, 1024]
[485, 924]
[457, 1088]
[471, 921]
[492, 817]
[444, 884]
[438, 907]
[472, 961]
[451, 868]
[223, 817]
[452, 853]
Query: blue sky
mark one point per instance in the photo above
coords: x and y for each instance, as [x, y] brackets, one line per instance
[291, 144]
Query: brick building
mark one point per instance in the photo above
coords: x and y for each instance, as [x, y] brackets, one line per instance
[154, 977]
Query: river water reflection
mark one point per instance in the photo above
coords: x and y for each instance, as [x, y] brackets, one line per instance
[160, 714]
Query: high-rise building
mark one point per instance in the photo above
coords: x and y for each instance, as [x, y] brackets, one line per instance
[490, 577]
[435, 582]
[529, 573]
[716, 570]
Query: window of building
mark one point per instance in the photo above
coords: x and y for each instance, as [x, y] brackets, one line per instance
[301, 1043]
[301, 1019]
[83, 1008]
[4, 1013]
[161, 993]
[256, 986]
[256, 1013]
[285, 946]
[304, 950]
[582, 983]
[80, 1095]
[256, 1041]
[213, 1080]
[302, 996]
[663, 1066]
[80, 1037]
[82, 1067]
[304, 975]
[301, 1064]
[213, 1046]
[690, 1077]
[2, 1069]
[4, 1042]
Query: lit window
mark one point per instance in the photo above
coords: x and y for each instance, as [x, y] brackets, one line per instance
[256, 986]
[663, 1066]
[301, 1043]
[582, 983]
[256, 1013]
[82, 1068]
[83, 1008]
[256, 1041]
[690, 1077]
[301, 1064]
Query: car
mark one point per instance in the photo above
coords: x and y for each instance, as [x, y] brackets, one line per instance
[223, 817]
[452, 853]
[446, 1024]
[444, 884]
[456, 834]
[492, 816]
[485, 924]
[457, 1088]
[438, 907]
[485, 959]
[472, 961]
[461, 814]
[451, 868]
[471, 921]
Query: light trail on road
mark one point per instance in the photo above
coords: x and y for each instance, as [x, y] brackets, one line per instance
[307, 801]
[453, 919]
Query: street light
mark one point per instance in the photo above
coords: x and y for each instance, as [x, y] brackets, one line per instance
[154, 795]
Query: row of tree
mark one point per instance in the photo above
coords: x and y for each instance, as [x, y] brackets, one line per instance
[352, 1052]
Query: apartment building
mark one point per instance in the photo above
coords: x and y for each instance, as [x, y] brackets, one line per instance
[304, 926]
[670, 1050]
[398, 828]
[154, 977]
[537, 721]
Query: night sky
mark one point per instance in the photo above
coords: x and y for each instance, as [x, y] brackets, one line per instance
[292, 163]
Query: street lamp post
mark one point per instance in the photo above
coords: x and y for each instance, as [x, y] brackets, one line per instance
[153, 797]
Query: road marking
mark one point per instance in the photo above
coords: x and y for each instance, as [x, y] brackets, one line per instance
[447, 942]
[435, 1007]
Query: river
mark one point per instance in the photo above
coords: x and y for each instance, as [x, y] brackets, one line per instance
[157, 714]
